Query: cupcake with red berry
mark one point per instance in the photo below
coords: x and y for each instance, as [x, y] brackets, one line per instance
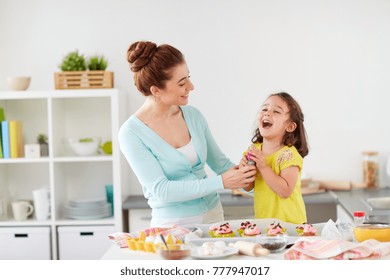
[306, 229]
[275, 229]
[222, 230]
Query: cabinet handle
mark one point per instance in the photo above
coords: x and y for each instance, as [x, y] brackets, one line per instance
[21, 235]
[86, 233]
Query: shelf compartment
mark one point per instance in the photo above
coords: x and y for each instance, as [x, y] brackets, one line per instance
[80, 180]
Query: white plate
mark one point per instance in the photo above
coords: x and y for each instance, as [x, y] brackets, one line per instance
[92, 217]
[228, 252]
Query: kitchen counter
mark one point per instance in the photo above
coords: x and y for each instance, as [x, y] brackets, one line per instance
[351, 200]
[117, 253]
[355, 200]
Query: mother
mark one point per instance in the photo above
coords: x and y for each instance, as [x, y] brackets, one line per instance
[167, 143]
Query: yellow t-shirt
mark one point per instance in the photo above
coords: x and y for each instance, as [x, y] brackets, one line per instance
[267, 204]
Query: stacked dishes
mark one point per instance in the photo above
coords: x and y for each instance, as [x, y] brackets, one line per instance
[88, 209]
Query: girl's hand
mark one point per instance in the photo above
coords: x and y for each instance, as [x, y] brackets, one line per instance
[259, 157]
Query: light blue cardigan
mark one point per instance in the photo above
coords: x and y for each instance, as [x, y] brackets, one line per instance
[173, 187]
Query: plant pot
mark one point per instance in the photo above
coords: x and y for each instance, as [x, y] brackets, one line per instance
[44, 149]
[84, 79]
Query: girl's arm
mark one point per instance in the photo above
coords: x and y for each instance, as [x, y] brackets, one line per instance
[284, 184]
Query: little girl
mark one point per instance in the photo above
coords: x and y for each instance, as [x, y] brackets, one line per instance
[279, 146]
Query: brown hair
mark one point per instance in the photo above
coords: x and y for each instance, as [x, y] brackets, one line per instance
[152, 64]
[296, 138]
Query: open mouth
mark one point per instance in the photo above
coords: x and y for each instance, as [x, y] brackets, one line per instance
[266, 124]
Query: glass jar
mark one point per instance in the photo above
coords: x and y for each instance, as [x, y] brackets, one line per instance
[359, 217]
[370, 169]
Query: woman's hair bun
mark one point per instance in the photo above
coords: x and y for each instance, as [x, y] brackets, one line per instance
[139, 54]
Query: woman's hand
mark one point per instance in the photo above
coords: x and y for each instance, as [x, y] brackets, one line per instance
[243, 162]
[239, 177]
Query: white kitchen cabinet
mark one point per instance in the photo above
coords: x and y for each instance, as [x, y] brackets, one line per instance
[25, 243]
[84, 242]
[60, 114]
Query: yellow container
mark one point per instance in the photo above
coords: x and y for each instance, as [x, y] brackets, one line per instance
[149, 247]
[131, 243]
[140, 245]
[378, 232]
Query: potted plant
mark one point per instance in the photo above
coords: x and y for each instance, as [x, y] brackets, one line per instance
[97, 63]
[73, 61]
[43, 145]
[81, 73]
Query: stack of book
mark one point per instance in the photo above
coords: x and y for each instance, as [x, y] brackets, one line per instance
[11, 137]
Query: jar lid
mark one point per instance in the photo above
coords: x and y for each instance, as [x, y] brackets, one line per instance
[370, 153]
[359, 214]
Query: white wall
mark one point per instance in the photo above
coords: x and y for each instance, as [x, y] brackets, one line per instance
[332, 56]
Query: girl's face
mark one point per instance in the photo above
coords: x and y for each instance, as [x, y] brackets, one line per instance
[274, 120]
[177, 89]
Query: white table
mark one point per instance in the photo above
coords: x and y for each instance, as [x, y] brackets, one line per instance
[116, 253]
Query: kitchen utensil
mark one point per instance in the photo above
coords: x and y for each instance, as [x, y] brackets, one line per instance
[165, 243]
[41, 203]
[249, 248]
[21, 210]
[84, 146]
[3, 208]
[380, 232]
[110, 195]
[18, 83]
[274, 244]
[175, 252]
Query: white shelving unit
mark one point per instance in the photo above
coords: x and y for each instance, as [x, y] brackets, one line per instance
[60, 114]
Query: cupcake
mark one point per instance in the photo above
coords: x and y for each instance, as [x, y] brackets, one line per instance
[306, 229]
[275, 229]
[223, 230]
[251, 231]
[243, 226]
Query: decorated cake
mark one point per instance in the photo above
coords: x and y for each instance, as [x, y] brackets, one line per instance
[252, 230]
[222, 230]
[306, 229]
[243, 226]
[275, 229]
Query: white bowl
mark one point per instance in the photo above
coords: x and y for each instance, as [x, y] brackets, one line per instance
[86, 146]
[18, 83]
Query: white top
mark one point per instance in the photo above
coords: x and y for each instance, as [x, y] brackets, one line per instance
[189, 152]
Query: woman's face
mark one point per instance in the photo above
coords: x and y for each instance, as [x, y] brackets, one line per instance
[177, 89]
[274, 119]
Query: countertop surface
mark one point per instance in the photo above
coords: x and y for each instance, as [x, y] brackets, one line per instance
[355, 200]
[350, 200]
[196, 240]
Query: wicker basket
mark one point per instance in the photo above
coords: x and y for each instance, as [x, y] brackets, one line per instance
[84, 79]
